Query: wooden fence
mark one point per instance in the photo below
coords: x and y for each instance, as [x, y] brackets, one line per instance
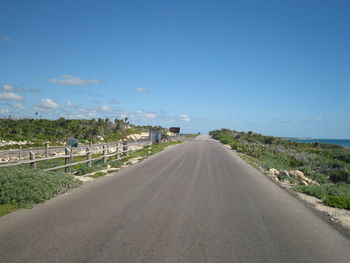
[114, 149]
[121, 149]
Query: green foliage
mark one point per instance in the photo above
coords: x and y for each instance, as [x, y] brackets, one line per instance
[318, 161]
[338, 201]
[318, 177]
[7, 208]
[25, 187]
[98, 174]
[322, 191]
[225, 138]
[41, 130]
[339, 175]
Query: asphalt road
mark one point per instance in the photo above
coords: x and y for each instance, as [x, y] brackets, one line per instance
[195, 202]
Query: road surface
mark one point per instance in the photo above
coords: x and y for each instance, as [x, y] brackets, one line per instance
[194, 202]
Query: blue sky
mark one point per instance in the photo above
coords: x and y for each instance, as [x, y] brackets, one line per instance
[275, 67]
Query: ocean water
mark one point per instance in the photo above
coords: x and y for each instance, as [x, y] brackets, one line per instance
[341, 142]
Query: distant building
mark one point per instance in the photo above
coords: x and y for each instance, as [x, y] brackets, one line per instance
[174, 129]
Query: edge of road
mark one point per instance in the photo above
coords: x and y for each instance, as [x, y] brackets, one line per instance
[323, 215]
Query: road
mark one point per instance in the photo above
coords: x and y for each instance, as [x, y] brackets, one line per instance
[194, 202]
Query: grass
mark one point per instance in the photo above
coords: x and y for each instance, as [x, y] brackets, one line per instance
[7, 208]
[98, 174]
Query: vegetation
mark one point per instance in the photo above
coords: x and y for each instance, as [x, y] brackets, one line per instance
[39, 131]
[328, 164]
[23, 187]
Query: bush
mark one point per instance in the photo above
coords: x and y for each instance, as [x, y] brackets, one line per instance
[339, 175]
[318, 177]
[26, 187]
[338, 201]
[225, 139]
[322, 191]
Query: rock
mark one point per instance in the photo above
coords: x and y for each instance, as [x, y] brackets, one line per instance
[273, 172]
[284, 173]
[299, 175]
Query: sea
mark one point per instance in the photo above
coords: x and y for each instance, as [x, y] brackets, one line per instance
[342, 142]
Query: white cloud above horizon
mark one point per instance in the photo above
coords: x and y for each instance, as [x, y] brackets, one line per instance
[69, 80]
[185, 118]
[142, 90]
[104, 108]
[8, 87]
[146, 114]
[48, 104]
[10, 96]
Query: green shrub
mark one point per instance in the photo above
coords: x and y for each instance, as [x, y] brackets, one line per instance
[339, 175]
[318, 177]
[98, 174]
[338, 201]
[26, 187]
[340, 189]
[225, 139]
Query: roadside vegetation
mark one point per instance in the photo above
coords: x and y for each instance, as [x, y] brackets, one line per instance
[21, 187]
[326, 167]
[38, 131]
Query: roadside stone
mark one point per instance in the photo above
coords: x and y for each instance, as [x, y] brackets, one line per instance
[299, 175]
[273, 172]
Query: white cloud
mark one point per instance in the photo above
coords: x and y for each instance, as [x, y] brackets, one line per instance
[74, 81]
[69, 104]
[18, 106]
[282, 121]
[48, 104]
[142, 90]
[184, 117]
[147, 114]
[317, 119]
[6, 38]
[5, 112]
[104, 108]
[7, 87]
[10, 96]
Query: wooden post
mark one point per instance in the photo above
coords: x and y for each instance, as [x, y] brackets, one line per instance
[125, 148]
[71, 156]
[105, 148]
[47, 149]
[20, 153]
[67, 159]
[117, 153]
[32, 158]
[88, 155]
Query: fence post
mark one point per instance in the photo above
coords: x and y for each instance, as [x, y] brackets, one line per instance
[20, 153]
[125, 148]
[32, 158]
[105, 148]
[117, 153]
[88, 155]
[47, 149]
[67, 159]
